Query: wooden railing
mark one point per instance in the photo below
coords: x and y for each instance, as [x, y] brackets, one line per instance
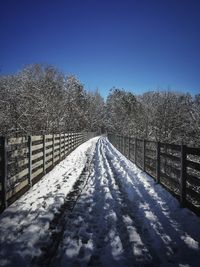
[176, 167]
[24, 160]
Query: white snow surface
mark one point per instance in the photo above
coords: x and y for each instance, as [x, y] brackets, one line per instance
[122, 217]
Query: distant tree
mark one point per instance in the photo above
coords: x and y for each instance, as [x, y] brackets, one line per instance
[167, 116]
[121, 112]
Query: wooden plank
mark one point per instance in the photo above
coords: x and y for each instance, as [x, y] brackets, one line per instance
[144, 150]
[56, 153]
[153, 151]
[65, 145]
[53, 150]
[38, 155]
[44, 153]
[158, 162]
[49, 150]
[135, 151]
[49, 136]
[49, 143]
[49, 164]
[172, 157]
[62, 142]
[193, 193]
[151, 168]
[37, 164]
[150, 142]
[49, 157]
[30, 160]
[20, 163]
[17, 140]
[150, 159]
[37, 138]
[16, 189]
[19, 152]
[193, 151]
[56, 144]
[37, 147]
[60, 147]
[170, 179]
[56, 159]
[183, 176]
[19, 175]
[193, 165]
[173, 169]
[171, 146]
[3, 170]
[36, 173]
[193, 180]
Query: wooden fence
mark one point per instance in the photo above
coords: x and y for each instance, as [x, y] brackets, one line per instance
[24, 160]
[176, 167]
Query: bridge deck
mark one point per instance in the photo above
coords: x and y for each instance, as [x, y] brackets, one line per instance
[115, 215]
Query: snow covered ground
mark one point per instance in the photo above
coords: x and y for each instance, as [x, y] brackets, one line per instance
[24, 226]
[121, 218]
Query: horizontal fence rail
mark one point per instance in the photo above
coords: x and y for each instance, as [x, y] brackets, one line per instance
[24, 160]
[176, 167]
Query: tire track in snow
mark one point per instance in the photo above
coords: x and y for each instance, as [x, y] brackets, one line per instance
[113, 238]
[144, 214]
[57, 225]
[139, 249]
[85, 239]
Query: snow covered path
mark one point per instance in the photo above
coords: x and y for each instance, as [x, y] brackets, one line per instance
[121, 218]
[124, 219]
[25, 225]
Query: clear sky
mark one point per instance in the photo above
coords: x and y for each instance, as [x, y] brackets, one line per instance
[132, 44]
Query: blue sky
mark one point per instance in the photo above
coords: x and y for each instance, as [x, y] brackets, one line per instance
[132, 44]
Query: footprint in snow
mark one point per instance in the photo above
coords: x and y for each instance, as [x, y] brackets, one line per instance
[58, 186]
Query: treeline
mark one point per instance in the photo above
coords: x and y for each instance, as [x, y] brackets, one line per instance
[40, 100]
[159, 116]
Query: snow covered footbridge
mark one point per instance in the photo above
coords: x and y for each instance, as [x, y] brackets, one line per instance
[96, 208]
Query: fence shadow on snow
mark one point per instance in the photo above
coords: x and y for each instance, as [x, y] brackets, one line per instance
[176, 167]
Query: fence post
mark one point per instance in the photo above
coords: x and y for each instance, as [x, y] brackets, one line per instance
[53, 149]
[135, 151]
[70, 141]
[126, 146]
[183, 176]
[144, 148]
[44, 154]
[117, 141]
[129, 143]
[123, 139]
[30, 160]
[73, 141]
[60, 146]
[158, 162]
[4, 170]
